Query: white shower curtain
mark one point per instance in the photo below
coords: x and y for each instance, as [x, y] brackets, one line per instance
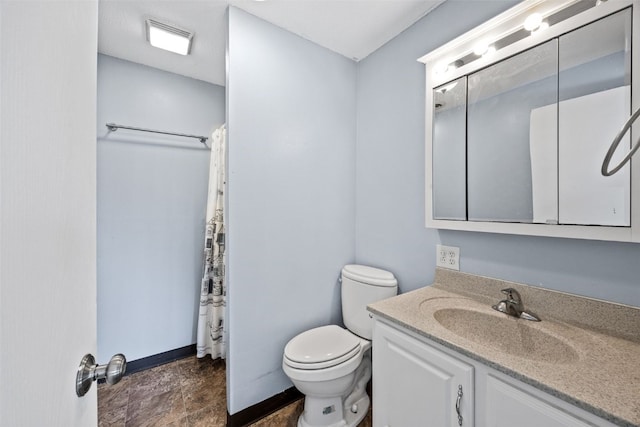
[211, 335]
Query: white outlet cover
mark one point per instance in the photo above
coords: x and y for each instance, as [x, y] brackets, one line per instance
[448, 257]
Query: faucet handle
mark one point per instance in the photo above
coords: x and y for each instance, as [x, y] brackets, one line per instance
[512, 295]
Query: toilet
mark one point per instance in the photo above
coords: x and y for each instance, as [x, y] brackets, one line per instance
[331, 365]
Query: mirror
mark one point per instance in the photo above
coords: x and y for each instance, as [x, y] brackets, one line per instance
[502, 160]
[449, 150]
[595, 101]
[521, 140]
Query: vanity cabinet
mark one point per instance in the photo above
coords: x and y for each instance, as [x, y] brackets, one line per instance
[507, 405]
[417, 385]
[416, 382]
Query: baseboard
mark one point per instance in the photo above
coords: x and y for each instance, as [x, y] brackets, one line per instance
[160, 359]
[266, 407]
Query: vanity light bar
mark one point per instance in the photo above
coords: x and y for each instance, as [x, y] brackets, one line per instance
[533, 24]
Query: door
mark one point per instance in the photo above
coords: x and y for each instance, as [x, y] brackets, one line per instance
[47, 210]
[415, 384]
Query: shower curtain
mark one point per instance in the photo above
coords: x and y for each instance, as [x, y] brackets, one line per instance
[211, 334]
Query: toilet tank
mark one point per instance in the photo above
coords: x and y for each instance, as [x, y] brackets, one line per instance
[363, 285]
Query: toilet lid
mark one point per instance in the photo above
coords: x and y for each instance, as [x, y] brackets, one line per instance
[369, 275]
[321, 345]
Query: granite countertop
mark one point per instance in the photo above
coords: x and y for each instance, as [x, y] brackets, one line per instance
[585, 351]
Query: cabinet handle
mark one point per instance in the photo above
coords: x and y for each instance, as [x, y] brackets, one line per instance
[458, 404]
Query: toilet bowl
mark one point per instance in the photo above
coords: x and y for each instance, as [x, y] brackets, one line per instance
[333, 380]
[331, 365]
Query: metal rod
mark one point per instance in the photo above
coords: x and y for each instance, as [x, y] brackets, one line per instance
[614, 145]
[114, 127]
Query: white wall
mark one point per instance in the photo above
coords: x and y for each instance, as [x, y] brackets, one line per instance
[390, 183]
[152, 192]
[47, 210]
[291, 188]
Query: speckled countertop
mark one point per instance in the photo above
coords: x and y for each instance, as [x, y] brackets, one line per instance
[585, 351]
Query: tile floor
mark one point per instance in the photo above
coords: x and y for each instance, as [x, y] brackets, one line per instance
[189, 392]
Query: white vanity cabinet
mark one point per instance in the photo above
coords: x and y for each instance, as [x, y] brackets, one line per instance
[415, 383]
[504, 404]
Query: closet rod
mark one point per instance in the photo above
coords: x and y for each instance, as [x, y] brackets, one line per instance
[114, 127]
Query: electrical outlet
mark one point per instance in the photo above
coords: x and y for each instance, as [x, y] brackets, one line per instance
[448, 257]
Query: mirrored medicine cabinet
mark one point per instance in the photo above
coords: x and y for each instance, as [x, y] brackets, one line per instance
[520, 113]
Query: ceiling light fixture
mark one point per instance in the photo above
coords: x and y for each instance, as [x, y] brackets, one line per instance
[169, 38]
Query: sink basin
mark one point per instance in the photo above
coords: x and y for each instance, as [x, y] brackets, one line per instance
[516, 337]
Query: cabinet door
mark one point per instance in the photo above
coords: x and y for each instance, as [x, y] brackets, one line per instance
[504, 182]
[416, 385]
[508, 406]
[595, 100]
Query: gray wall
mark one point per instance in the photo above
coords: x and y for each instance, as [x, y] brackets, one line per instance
[152, 192]
[291, 188]
[390, 230]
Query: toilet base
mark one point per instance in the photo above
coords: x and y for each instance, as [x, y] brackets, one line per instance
[339, 411]
[350, 418]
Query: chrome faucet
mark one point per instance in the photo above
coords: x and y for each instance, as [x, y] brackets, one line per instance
[513, 306]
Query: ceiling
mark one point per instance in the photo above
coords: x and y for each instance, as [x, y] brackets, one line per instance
[352, 28]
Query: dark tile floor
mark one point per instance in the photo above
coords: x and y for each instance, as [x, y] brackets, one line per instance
[189, 392]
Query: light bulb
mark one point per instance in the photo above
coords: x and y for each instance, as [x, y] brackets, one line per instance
[532, 22]
[481, 48]
[441, 68]
[484, 49]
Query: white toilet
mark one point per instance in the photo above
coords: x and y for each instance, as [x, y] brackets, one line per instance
[331, 365]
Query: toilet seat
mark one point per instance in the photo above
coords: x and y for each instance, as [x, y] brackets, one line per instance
[321, 348]
[326, 374]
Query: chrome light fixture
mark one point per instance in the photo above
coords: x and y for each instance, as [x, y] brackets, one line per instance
[168, 37]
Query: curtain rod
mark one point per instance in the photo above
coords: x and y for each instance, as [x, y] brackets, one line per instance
[114, 127]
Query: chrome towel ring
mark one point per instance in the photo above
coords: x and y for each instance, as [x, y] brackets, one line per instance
[614, 145]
